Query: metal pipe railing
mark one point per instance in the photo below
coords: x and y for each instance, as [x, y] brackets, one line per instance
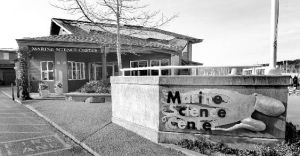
[208, 70]
[159, 68]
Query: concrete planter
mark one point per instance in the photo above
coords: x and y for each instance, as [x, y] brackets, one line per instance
[44, 93]
[88, 97]
[58, 91]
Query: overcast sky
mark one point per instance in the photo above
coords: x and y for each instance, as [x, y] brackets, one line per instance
[235, 32]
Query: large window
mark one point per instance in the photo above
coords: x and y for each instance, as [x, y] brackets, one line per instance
[76, 70]
[47, 70]
[163, 62]
[139, 63]
[4, 56]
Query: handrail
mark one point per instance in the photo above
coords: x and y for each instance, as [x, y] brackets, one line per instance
[172, 68]
[254, 70]
[159, 68]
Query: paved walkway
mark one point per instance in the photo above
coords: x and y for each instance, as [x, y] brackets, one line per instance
[22, 132]
[91, 125]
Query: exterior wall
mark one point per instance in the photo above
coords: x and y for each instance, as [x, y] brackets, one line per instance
[235, 108]
[8, 55]
[111, 57]
[190, 51]
[73, 85]
[12, 56]
[7, 76]
[60, 65]
[7, 72]
[187, 52]
[35, 69]
[153, 56]
[132, 57]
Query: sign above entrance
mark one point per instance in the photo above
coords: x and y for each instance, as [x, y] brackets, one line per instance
[62, 49]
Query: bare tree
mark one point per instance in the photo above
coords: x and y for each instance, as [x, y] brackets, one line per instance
[118, 12]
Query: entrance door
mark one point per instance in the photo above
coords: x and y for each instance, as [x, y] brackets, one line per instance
[96, 72]
[110, 71]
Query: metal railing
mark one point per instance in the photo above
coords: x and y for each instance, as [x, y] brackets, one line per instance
[184, 70]
[159, 69]
[255, 71]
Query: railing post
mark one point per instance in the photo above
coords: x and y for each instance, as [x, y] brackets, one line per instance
[18, 88]
[12, 92]
[172, 72]
[159, 72]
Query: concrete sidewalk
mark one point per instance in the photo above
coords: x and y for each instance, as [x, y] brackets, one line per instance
[22, 132]
[91, 124]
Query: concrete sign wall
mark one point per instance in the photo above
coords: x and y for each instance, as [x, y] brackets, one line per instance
[222, 108]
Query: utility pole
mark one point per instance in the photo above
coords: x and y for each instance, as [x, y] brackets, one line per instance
[273, 37]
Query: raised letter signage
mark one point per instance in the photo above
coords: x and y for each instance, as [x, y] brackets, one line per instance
[62, 49]
[215, 110]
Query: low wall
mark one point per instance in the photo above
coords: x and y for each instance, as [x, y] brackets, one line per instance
[82, 97]
[227, 108]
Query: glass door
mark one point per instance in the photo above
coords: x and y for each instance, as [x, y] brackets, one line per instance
[96, 71]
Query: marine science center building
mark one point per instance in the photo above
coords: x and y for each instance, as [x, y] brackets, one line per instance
[78, 51]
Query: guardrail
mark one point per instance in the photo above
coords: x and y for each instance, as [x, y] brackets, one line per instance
[189, 70]
[159, 69]
[255, 71]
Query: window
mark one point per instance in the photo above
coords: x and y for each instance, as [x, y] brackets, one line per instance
[163, 62]
[47, 70]
[136, 64]
[76, 70]
[154, 63]
[4, 56]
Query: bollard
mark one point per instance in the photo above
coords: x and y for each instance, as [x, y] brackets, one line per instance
[12, 92]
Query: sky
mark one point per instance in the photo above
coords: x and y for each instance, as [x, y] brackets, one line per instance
[235, 32]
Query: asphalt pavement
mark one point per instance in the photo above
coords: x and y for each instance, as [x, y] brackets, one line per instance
[22, 132]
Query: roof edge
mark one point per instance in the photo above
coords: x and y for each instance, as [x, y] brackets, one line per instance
[180, 36]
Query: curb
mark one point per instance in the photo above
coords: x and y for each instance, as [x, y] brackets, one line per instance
[82, 144]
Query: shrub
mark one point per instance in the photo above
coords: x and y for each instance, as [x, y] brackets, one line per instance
[102, 86]
[207, 147]
[290, 147]
[58, 85]
[291, 133]
[43, 86]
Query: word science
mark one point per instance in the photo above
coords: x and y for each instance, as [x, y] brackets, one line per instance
[194, 110]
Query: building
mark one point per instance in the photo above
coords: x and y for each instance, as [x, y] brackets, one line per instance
[286, 67]
[7, 71]
[289, 66]
[78, 51]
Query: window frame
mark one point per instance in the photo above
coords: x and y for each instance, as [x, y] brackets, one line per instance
[159, 64]
[78, 72]
[47, 70]
[138, 65]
